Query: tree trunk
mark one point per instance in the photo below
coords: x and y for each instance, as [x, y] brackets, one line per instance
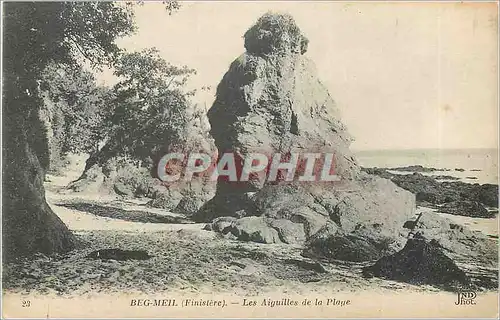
[29, 224]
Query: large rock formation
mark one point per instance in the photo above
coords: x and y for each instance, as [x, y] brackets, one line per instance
[271, 101]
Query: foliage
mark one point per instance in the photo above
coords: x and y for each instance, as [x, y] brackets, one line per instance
[149, 104]
[80, 107]
[36, 33]
[137, 119]
[275, 32]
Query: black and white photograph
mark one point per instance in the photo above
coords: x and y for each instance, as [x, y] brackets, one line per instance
[249, 159]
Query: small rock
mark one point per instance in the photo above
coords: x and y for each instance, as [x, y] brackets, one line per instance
[254, 229]
[167, 201]
[313, 266]
[222, 224]
[364, 244]
[289, 232]
[122, 189]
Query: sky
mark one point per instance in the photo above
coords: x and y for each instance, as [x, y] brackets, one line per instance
[404, 75]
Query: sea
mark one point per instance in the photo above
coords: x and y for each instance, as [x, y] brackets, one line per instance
[479, 165]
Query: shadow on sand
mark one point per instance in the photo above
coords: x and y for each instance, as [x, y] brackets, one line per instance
[127, 215]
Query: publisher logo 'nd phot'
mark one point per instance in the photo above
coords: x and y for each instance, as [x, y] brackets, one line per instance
[466, 298]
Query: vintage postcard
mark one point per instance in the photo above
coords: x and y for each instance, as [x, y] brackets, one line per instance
[249, 159]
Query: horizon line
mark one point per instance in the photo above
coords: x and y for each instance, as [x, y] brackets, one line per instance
[424, 148]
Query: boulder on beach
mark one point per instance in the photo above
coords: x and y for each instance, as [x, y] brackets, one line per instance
[363, 244]
[420, 262]
[259, 229]
[271, 101]
[460, 242]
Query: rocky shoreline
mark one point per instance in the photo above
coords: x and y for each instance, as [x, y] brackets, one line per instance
[453, 197]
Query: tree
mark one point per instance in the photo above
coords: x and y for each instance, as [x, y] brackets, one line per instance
[34, 35]
[148, 108]
[76, 107]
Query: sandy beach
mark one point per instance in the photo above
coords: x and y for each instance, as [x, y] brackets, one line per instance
[191, 262]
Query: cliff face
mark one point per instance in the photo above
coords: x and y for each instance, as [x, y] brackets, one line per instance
[271, 101]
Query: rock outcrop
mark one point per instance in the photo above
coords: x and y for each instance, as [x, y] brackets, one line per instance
[188, 197]
[441, 253]
[420, 262]
[271, 101]
[453, 197]
[459, 242]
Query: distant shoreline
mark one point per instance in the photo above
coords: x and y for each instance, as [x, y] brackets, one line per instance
[425, 150]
